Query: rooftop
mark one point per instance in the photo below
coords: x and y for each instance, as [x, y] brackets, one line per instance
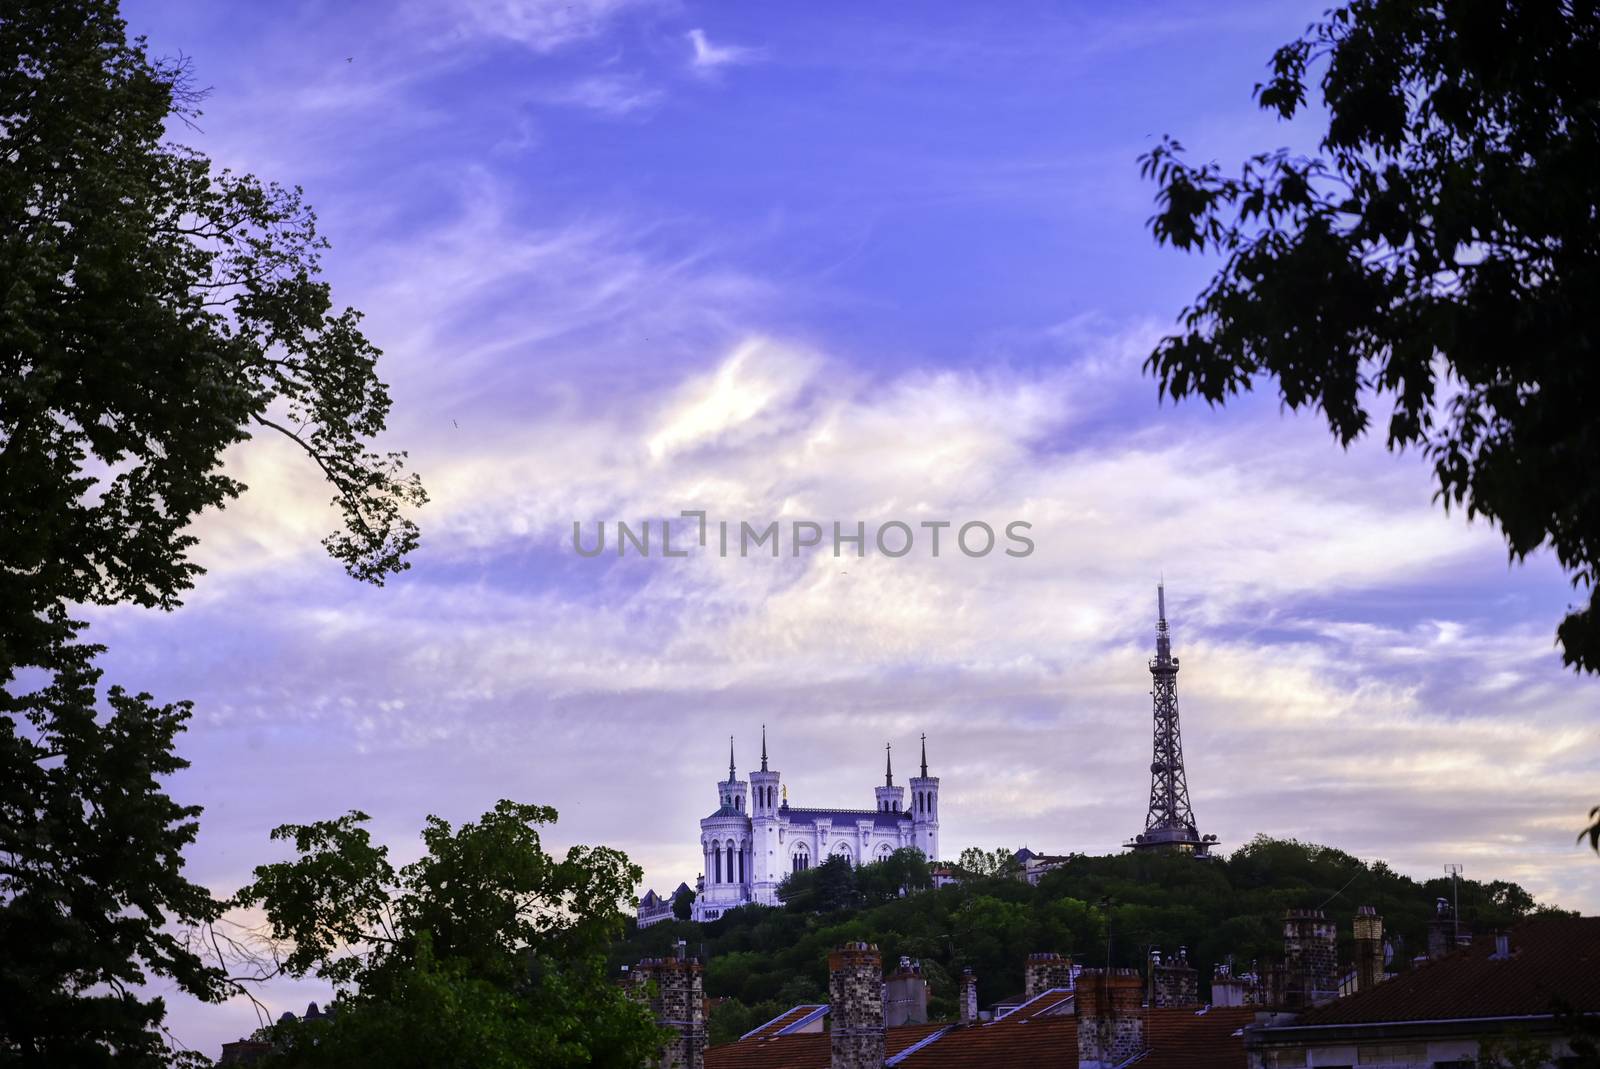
[1048, 1035]
[1552, 960]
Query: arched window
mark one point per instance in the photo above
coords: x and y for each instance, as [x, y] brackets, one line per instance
[717, 850]
[801, 859]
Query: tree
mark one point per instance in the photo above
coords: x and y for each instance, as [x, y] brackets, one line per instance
[899, 873]
[90, 860]
[977, 862]
[1439, 255]
[683, 904]
[485, 952]
[153, 313]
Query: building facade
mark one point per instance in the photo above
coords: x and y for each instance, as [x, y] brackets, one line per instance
[756, 838]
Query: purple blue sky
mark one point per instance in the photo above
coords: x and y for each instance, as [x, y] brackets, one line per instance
[823, 261]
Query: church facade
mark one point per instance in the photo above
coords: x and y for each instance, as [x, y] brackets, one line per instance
[756, 838]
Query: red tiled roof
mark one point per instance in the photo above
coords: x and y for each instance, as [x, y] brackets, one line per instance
[803, 1050]
[1177, 1038]
[1190, 1039]
[1051, 1041]
[1552, 959]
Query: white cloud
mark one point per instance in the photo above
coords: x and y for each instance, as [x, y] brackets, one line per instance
[609, 94]
[708, 58]
[543, 25]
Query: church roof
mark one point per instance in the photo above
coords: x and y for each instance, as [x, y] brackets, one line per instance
[798, 815]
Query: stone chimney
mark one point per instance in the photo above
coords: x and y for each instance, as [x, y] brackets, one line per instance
[905, 995]
[1111, 1016]
[1044, 971]
[969, 997]
[674, 989]
[1310, 960]
[855, 995]
[1369, 948]
[1173, 982]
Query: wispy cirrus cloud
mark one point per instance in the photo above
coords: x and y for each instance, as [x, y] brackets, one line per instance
[541, 25]
[707, 59]
[610, 94]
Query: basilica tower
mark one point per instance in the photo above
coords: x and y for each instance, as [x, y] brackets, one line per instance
[925, 809]
[766, 869]
[891, 799]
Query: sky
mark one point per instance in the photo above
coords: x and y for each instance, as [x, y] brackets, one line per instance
[821, 262]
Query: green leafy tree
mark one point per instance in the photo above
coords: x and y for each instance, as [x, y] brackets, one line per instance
[683, 904]
[90, 859]
[485, 952]
[903, 872]
[1438, 256]
[153, 312]
[999, 862]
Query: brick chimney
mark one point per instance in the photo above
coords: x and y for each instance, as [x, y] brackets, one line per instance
[969, 997]
[1310, 960]
[1173, 982]
[855, 995]
[674, 989]
[1111, 1017]
[1044, 971]
[1369, 948]
[905, 995]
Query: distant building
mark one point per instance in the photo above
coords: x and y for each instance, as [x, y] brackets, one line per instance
[1032, 866]
[756, 838]
[653, 908]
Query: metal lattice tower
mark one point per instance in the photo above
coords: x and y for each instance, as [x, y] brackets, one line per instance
[1170, 822]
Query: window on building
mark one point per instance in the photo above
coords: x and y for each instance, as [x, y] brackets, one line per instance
[1284, 1059]
[1392, 1054]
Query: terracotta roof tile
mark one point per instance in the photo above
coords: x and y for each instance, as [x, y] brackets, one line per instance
[1178, 1039]
[1016, 1040]
[1552, 958]
[1189, 1039]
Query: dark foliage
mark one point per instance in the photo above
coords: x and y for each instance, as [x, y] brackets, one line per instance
[153, 313]
[1439, 256]
[487, 952]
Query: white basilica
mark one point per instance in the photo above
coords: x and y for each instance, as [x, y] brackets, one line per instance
[756, 837]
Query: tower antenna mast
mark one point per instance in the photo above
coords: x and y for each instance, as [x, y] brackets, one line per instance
[1169, 823]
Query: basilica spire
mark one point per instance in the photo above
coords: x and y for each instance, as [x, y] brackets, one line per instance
[763, 747]
[731, 775]
[924, 755]
[888, 765]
